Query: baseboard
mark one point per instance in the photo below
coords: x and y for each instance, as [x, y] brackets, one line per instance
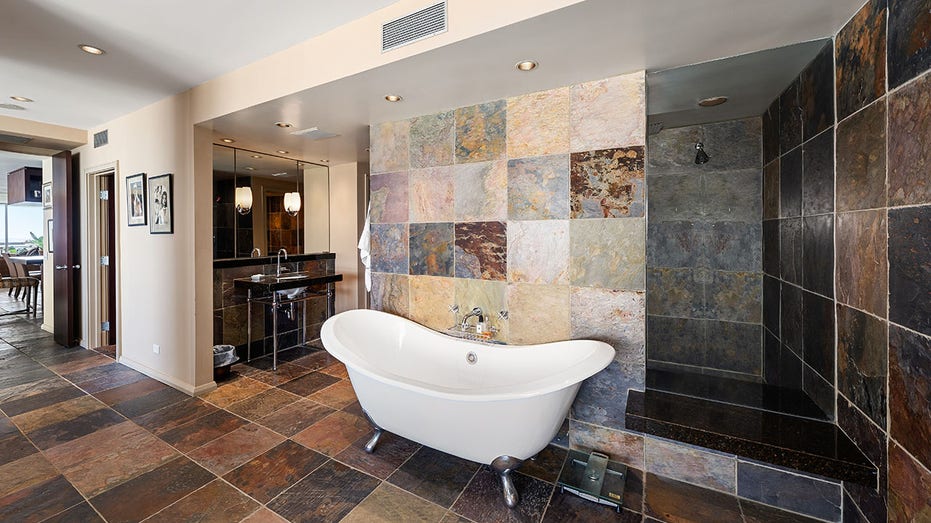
[186, 388]
[47, 328]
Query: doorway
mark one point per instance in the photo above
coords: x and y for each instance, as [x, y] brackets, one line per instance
[102, 262]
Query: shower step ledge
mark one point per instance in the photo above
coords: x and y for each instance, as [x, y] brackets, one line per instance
[807, 445]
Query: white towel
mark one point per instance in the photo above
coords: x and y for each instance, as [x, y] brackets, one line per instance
[365, 250]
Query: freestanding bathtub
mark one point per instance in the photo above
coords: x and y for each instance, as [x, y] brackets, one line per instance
[494, 404]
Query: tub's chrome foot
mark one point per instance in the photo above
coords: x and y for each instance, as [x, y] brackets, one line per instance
[503, 465]
[370, 446]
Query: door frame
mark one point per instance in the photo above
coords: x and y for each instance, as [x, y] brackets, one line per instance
[90, 216]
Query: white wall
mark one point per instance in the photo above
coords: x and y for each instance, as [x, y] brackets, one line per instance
[48, 266]
[347, 215]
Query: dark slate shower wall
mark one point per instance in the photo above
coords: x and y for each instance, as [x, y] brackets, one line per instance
[704, 255]
[798, 234]
[883, 238]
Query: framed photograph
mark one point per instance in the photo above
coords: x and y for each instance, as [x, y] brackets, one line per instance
[161, 205]
[47, 195]
[49, 231]
[135, 199]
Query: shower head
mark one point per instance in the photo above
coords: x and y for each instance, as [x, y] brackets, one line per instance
[701, 156]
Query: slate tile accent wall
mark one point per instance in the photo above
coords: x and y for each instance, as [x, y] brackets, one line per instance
[532, 205]
[883, 242]
[705, 253]
[799, 228]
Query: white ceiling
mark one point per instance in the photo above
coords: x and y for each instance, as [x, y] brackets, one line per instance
[154, 48]
[158, 48]
[590, 40]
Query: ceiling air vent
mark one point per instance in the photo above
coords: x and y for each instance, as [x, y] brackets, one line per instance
[416, 26]
[9, 138]
[314, 133]
[102, 138]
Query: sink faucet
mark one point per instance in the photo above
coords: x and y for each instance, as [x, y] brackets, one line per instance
[255, 252]
[475, 312]
[281, 250]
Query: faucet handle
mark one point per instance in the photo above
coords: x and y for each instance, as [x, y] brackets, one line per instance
[503, 315]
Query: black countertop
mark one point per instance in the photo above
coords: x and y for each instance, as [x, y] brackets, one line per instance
[269, 282]
[268, 260]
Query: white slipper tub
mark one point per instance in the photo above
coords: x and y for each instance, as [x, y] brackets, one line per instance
[494, 404]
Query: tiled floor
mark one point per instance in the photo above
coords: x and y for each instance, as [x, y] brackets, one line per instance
[83, 438]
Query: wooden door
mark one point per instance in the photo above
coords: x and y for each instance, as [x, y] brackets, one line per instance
[67, 244]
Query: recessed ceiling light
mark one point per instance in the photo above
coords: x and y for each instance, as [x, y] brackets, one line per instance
[250, 168]
[22, 99]
[713, 101]
[393, 98]
[89, 49]
[526, 65]
[12, 107]
[283, 124]
[227, 140]
[256, 155]
[281, 151]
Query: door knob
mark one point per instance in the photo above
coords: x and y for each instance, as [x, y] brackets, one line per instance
[60, 267]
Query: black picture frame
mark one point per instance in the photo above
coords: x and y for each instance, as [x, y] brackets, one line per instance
[136, 198]
[161, 204]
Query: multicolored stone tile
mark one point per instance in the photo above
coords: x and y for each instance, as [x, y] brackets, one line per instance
[235, 448]
[818, 178]
[262, 404]
[909, 52]
[109, 457]
[608, 113]
[327, 494]
[909, 485]
[481, 190]
[40, 501]
[607, 253]
[732, 196]
[538, 313]
[152, 491]
[675, 198]
[771, 190]
[684, 463]
[270, 473]
[538, 251]
[538, 188]
[733, 145]
[790, 184]
[790, 119]
[432, 140]
[481, 132]
[389, 198]
[390, 147]
[295, 417]
[490, 296]
[431, 246]
[538, 123]
[432, 193]
[390, 293]
[481, 250]
[435, 476]
[862, 361]
[24, 473]
[667, 154]
[861, 244]
[431, 299]
[602, 398]
[336, 396]
[334, 433]
[216, 500]
[309, 383]
[175, 415]
[625, 447]
[790, 250]
[910, 142]
[614, 317]
[818, 254]
[235, 390]
[607, 183]
[392, 452]
[910, 391]
[390, 248]
[909, 266]
[802, 494]
[192, 435]
[860, 58]
[770, 129]
[861, 160]
[734, 296]
[64, 411]
[816, 93]
[481, 500]
[389, 503]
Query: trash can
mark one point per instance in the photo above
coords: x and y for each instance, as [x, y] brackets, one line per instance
[224, 356]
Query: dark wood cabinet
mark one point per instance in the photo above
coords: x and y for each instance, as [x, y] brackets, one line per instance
[24, 185]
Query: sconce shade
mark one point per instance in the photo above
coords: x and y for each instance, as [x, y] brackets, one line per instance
[243, 200]
[292, 203]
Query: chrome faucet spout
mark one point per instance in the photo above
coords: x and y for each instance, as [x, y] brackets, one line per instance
[476, 312]
[280, 251]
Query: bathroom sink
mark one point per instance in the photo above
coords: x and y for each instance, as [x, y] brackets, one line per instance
[290, 293]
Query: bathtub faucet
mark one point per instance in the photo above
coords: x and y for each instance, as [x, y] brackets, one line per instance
[475, 312]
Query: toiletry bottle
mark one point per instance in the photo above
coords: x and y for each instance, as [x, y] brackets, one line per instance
[480, 326]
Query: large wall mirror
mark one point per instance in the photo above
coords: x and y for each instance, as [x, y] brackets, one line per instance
[267, 202]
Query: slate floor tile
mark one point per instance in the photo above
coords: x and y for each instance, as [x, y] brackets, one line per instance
[327, 494]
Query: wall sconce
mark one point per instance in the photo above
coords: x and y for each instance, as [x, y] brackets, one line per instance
[292, 203]
[243, 200]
